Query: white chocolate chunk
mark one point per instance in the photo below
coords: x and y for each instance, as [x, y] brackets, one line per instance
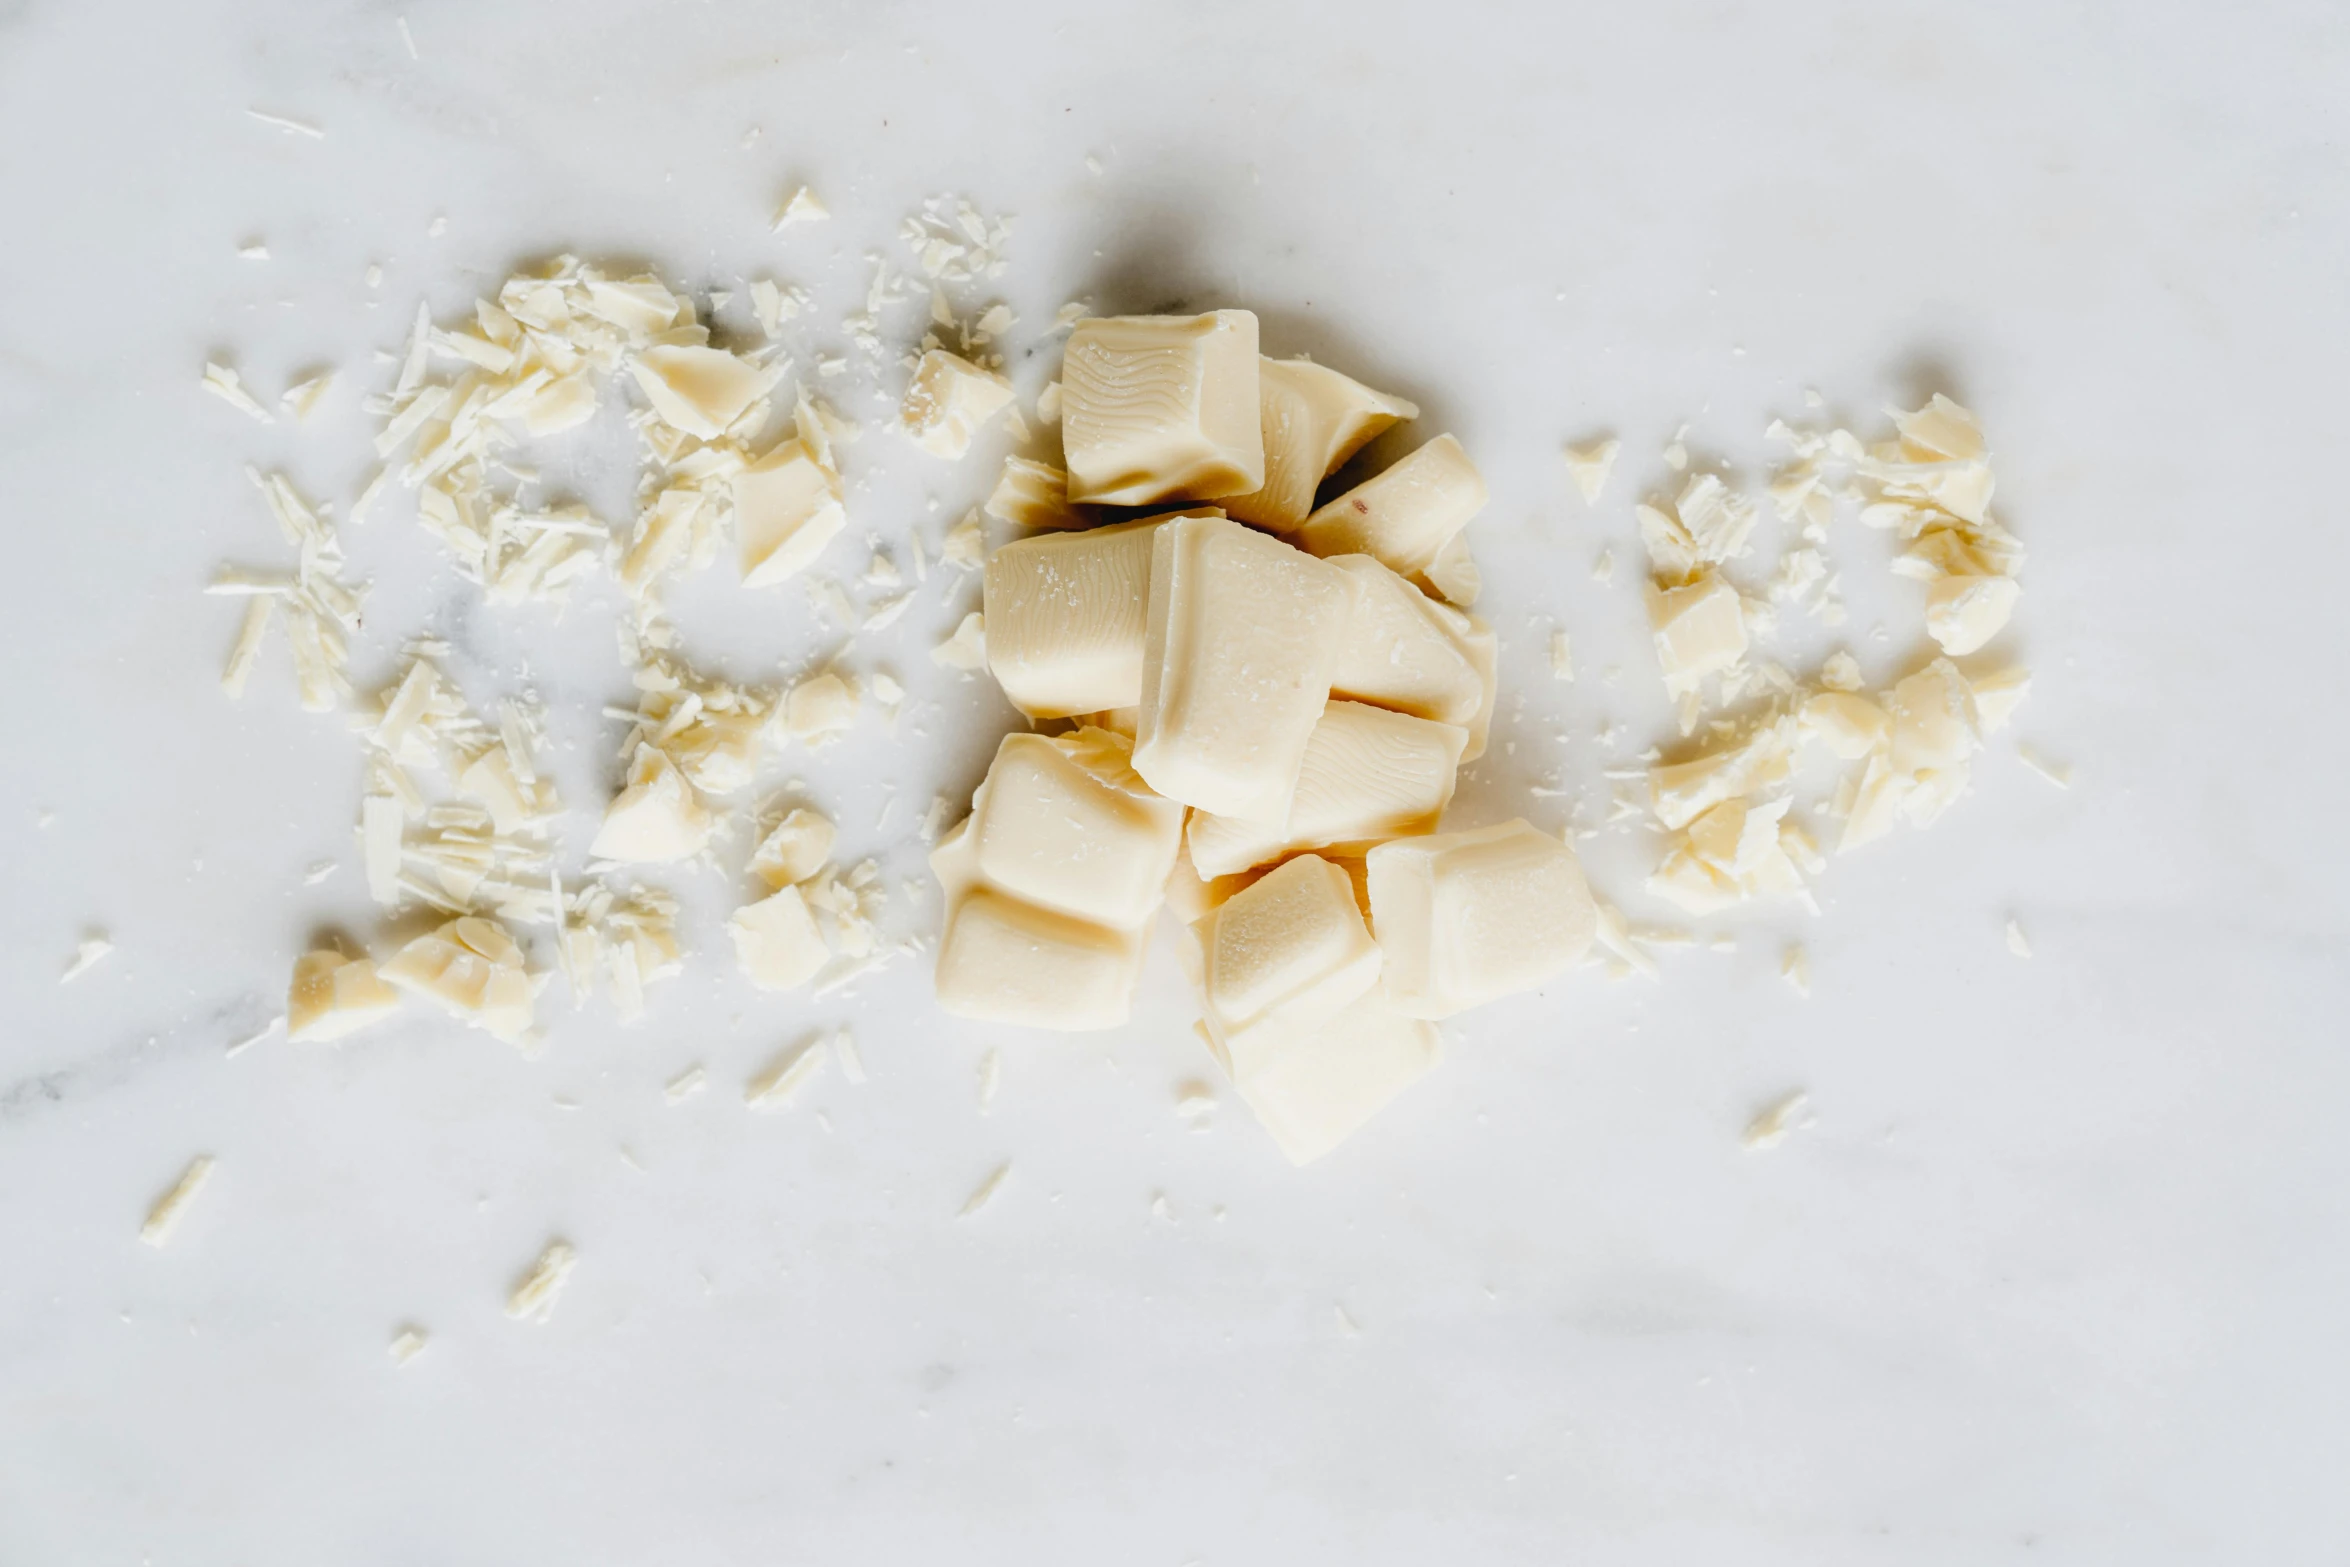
[776, 941]
[534, 1295]
[965, 544]
[949, 402]
[1706, 525]
[984, 1192]
[967, 648]
[1243, 636]
[1405, 651]
[1590, 464]
[1368, 775]
[225, 384]
[1162, 408]
[1682, 791]
[1313, 420]
[1286, 954]
[1066, 617]
[1964, 612]
[701, 391]
[471, 969]
[1313, 1089]
[1997, 696]
[165, 1214]
[514, 806]
[1848, 725]
[802, 206]
[787, 507]
[1934, 721]
[407, 1344]
[795, 850]
[1005, 961]
[1700, 630]
[1774, 1121]
[657, 817]
[792, 1070]
[1795, 969]
[1404, 516]
[1032, 494]
[1562, 658]
[251, 632]
[303, 397]
[1454, 574]
[1464, 918]
[1067, 825]
[819, 708]
[333, 995]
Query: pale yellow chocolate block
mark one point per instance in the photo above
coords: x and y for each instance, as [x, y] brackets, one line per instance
[1066, 614]
[1031, 494]
[1004, 961]
[471, 969]
[1066, 824]
[657, 817]
[1406, 515]
[1314, 1088]
[1287, 953]
[1404, 650]
[1464, 918]
[1368, 775]
[1243, 635]
[787, 507]
[1162, 408]
[1700, 630]
[1313, 420]
[950, 401]
[333, 995]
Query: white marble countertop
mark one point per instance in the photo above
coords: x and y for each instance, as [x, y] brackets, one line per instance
[2056, 1275]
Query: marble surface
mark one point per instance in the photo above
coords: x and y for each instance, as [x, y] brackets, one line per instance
[2056, 1275]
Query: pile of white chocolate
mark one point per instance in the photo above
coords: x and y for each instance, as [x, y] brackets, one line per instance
[1262, 706]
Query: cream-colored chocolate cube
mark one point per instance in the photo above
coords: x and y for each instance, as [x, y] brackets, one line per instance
[1287, 953]
[1368, 775]
[1066, 615]
[1313, 419]
[1005, 961]
[1464, 918]
[1066, 824]
[1242, 636]
[1314, 1088]
[1406, 515]
[1160, 408]
[1406, 651]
